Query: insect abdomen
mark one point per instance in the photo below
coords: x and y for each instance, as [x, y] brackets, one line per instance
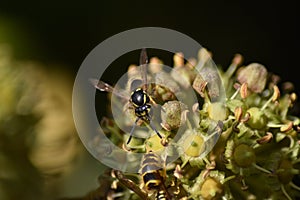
[161, 195]
[151, 171]
[152, 180]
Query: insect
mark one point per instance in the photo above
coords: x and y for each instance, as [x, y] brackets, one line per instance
[139, 98]
[153, 175]
[154, 178]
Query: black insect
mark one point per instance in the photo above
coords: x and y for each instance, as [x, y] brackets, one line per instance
[153, 174]
[139, 98]
[154, 179]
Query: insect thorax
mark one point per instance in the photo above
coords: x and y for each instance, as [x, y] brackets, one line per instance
[139, 97]
[143, 111]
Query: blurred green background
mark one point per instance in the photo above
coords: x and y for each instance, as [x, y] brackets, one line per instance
[42, 45]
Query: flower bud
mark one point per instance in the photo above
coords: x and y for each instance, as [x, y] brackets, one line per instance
[171, 115]
[155, 65]
[255, 75]
[194, 145]
[257, 119]
[217, 111]
[178, 59]
[237, 59]
[244, 155]
[285, 174]
[211, 189]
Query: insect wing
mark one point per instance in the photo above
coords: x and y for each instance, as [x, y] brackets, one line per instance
[105, 87]
[143, 67]
[135, 84]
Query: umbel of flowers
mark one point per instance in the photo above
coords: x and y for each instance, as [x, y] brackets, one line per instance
[257, 152]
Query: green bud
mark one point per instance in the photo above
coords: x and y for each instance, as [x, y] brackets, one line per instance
[244, 155]
[194, 145]
[217, 111]
[211, 189]
[257, 119]
[285, 174]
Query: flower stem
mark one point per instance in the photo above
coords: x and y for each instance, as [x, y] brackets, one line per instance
[285, 193]
[261, 169]
[235, 94]
[228, 179]
[266, 104]
[294, 186]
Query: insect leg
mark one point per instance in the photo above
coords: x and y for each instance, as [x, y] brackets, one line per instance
[132, 129]
[153, 128]
[130, 184]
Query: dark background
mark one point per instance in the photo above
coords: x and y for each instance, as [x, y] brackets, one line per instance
[65, 32]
